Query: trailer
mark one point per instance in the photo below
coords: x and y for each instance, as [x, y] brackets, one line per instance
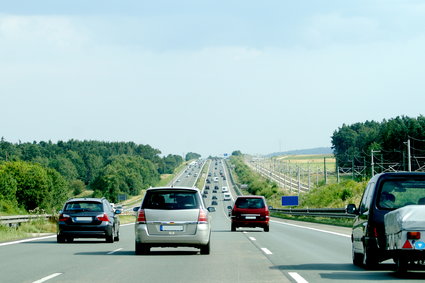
[405, 236]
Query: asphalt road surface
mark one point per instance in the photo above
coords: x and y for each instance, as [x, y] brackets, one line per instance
[290, 252]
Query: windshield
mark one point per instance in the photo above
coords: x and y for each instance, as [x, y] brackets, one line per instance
[162, 199]
[395, 194]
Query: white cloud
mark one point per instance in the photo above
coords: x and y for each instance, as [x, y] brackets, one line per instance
[55, 31]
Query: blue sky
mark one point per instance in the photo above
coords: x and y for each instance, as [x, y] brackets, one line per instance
[207, 76]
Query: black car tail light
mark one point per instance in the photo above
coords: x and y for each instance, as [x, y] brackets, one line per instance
[103, 217]
[64, 217]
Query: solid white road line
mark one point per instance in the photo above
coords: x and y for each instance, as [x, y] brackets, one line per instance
[27, 240]
[252, 239]
[47, 278]
[266, 251]
[114, 251]
[297, 277]
[314, 229]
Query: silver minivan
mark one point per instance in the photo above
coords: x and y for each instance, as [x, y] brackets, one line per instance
[173, 217]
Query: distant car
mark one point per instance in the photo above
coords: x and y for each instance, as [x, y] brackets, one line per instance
[88, 218]
[227, 196]
[224, 189]
[214, 197]
[214, 191]
[250, 211]
[214, 202]
[173, 217]
[216, 188]
[207, 187]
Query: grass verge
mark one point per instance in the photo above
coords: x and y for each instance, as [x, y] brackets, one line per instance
[343, 222]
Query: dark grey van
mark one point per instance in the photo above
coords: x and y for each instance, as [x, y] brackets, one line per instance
[385, 192]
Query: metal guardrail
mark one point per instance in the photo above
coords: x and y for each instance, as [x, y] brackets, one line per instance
[17, 219]
[316, 212]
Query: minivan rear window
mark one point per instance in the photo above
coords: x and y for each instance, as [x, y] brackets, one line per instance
[249, 203]
[164, 199]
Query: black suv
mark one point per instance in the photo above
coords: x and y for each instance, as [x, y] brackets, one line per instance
[88, 218]
[384, 192]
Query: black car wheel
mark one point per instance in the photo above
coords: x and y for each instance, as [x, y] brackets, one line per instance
[266, 228]
[110, 238]
[60, 239]
[117, 237]
[357, 258]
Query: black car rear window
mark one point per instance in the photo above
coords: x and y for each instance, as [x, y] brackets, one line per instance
[84, 206]
[249, 203]
[163, 199]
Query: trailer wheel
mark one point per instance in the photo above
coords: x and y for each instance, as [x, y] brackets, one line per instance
[401, 264]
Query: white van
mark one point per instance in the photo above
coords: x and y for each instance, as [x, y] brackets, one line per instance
[227, 196]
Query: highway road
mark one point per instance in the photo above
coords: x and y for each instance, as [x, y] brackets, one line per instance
[290, 252]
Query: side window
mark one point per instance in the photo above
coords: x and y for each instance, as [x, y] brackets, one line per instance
[367, 197]
[107, 206]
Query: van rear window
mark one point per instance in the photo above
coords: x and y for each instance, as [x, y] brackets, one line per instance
[249, 203]
[398, 193]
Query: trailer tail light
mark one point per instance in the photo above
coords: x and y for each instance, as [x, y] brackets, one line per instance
[407, 245]
[413, 235]
[141, 218]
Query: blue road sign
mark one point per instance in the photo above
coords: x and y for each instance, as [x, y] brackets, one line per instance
[290, 200]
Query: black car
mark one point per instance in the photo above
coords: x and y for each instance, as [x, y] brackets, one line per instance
[88, 218]
[214, 197]
[214, 202]
[385, 192]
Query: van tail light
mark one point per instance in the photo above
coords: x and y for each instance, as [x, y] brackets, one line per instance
[203, 217]
[64, 217]
[103, 217]
[414, 235]
[375, 232]
[141, 218]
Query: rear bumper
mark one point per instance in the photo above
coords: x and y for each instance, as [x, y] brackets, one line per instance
[85, 231]
[252, 223]
[201, 237]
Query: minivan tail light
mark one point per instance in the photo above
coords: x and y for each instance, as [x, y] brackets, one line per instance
[141, 218]
[203, 217]
[103, 217]
[63, 217]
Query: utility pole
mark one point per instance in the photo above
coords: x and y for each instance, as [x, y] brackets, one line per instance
[372, 163]
[324, 169]
[409, 163]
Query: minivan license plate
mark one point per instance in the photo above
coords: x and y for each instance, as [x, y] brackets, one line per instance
[171, 228]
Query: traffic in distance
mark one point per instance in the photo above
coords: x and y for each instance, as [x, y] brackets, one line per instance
[180, 229]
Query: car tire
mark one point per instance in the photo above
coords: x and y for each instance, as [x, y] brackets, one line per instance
[370, 260]
[70, 239]
[357, 258]
[110, 238]
[142, 249]
[266, 228]
[233, 227]
[205, 249]
[60, 239]
[117, 237]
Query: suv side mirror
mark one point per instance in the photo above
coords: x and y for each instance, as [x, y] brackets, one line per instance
[351, 209]
[270, 207]
[136, 208]
[117, 211]
[211, 209]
